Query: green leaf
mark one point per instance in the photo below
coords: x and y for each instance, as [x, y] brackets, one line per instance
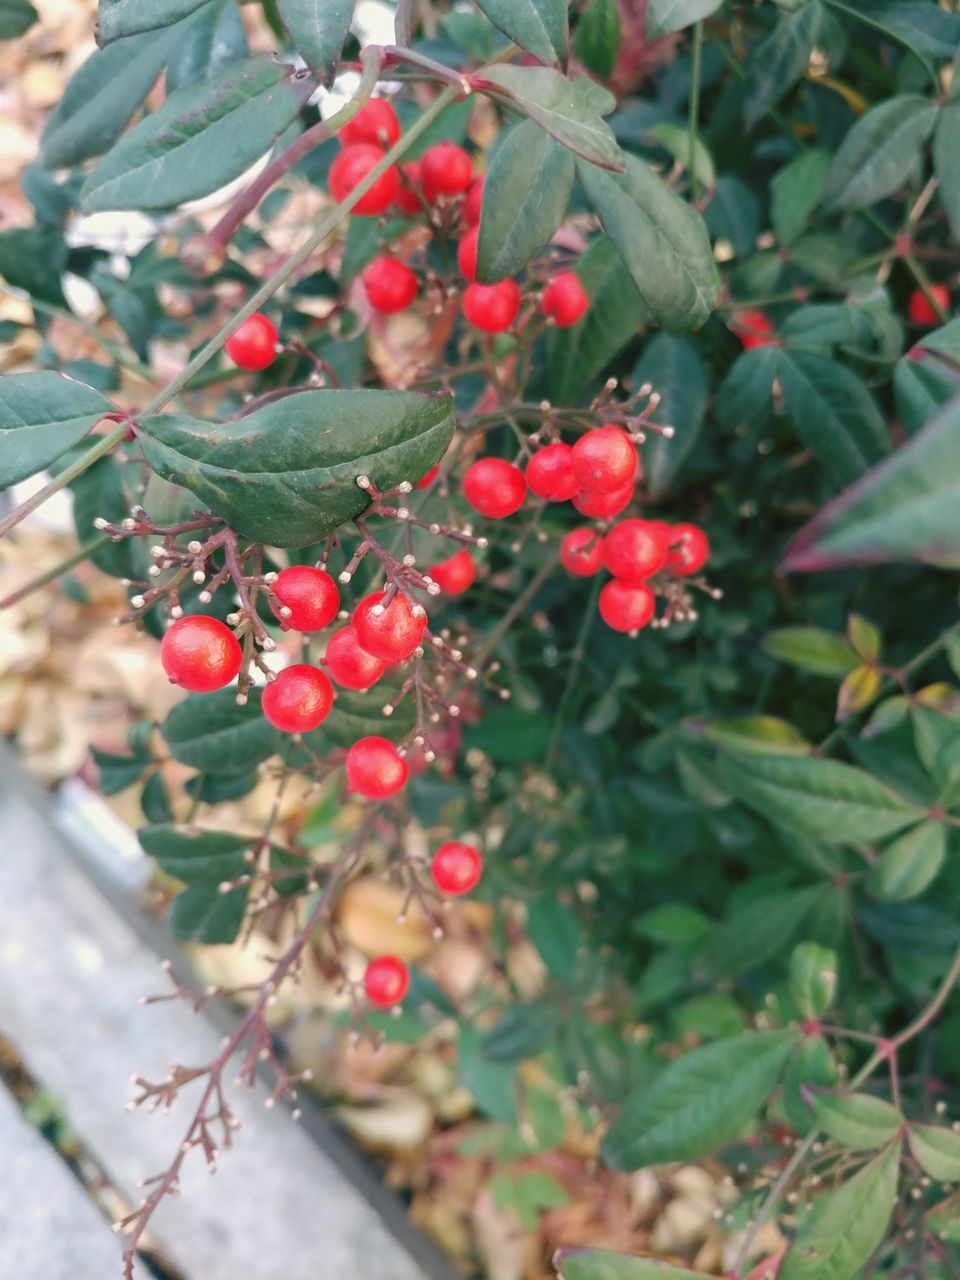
[662, 240]
[212, 733]
[921, 26]
[675, 139]
[811, 1065]
[214, 39]
[41, 416]
[596, 41]
[528, 1192]
[119, 18]
[699, 1103]
[756, 932]
[674, 369]
[201, 913]
[526, 195]
[600, 1264]
[521, 1032]
[846, 1226]
[203, 137]
[117, 772]
[34, 259]
[318, 29]
[756, 733]
[665, 16]
[569, 110]
[908, 508]
[880, 152]
[195, 856]
[946, 163]
[813, 978]
[745, 397]
[811, 649]
[822, 798]
[360, 715]
[287, 474]
[780, 60]
[936, 1150]
[538, 26]
[857, 1120]
[555, 932]
[909, 865]
[796, 190]
[16, 17]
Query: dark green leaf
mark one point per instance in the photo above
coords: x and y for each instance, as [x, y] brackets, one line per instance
[128, 17]
[41, 416]
[673, 368]
[946, 162]
[856, 1120]
[219, 787]
[569, 110]
[360, 715]
[756, 932]
[811, 649]
[117, 772]
[909, 865]
[16, 17]
[796, 190]
[596, 40]
[936, 1150]
[201, 913]
[34, 259]
[675, 140]
[318, 29]
[880, 152]
[539, 26]
[212, 733]
[664, 16]
[811, 1065]
[521, 1032]
[745, 396]
[214, 39]
[154, 800]
[813, 978]
[781, 59]
[599, 1264]
[195, 856]
[921, 26]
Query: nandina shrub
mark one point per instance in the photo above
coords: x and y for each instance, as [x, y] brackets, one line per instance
[611, 324]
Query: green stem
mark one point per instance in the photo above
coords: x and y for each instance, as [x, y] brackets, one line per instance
[51, 575]
[100, 449]
[694, 111]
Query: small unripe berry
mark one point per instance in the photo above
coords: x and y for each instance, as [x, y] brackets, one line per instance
[603, 506]
[376, 122]
[454, 575]
[375, 769]
[350, 168]
[492, 307]
[200, 654]
[467, 254]
[456, 867]
[920, 309]
[445, 170]
[565, 300]
[349, 664]
[390, 285]
[494, 487]
[393, 633]
[254, 345]
[550, 475]
[626, 606]
[581, 552]
[689, 549]
[753, 328]
[298, 700]
[633, 550]
[386, 981]
[311, 596]
[604, 459]
[473, 201]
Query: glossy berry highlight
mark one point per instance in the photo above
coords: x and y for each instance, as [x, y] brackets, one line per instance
[445, 170]
[386, 981]
[492, 307]
[550, 475]
[494, 488]
[389, 285]
[626, 606]
[349, 664]
[311, 596]
[456, 868]
[298, 700]
[375, 123]
[254, 345]
[390, 632]
[200, 654]
[604, 459]
[565, 301]
[634, 550]
[375, 769]
[350, 168]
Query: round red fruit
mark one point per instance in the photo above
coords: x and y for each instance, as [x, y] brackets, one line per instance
[473, 201]
[349, 664]
[390, 285]
[298, 700]
[581, 552]
[454, 575]
[494, 488]
[386, 981]
[376, 122]
[254, 345]
[633, 550]
[492, 307]
[922, 311]
[467, 254]
[390, 632]
[626, 606]
[408, 199]
[311, 595]
[604, 459]
[689, 549]
[456, 867]
[350, 168]
[550, 475]
[445, 170]
[753, 328]
[426, 481]
[375, 768]
[565, 300]
[603, 506]
[200, 654]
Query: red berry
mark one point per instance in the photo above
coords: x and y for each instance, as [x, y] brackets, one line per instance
[492, 307]
[311, 596]
[689, 549]
[386, 981]
[375, 768]
[390, 285]
[473, 201]
[604, 459]
[200, 654]
[445, 170]
[426, 481]
[626, 606]
[565, 300]
[581, 552]
[635, 549]
[753, 328]
[349, 663]
[299, 699]
[603, 506]
[494, 488]
[350, 168]
[254, 345]
[456, 867]
[549, 474]
[921, 310]
[408, 198]
[467, 254]
[455, 574]
[376, 122]
[390, 632]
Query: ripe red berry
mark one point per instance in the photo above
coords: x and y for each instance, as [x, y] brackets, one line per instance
[581, 552]
[473, 201]
[689, 549]
[467, 254]
[299, 699]
[753, 328]
[604, 459]
[426, 481]
[349, 663]
[254, 345]
[920, 309]
[375, 768]
[492, 307]
[311, 595]
[626, 606]
[456, 867]
[390, 632]
[386, 981]
[494, 488]
[549, 473]
[565, 300]
[603, 506]
[390, 285]
[408, 198]
[635, 549]
[376, 122]
[350, 168]
[445, 170]
[200, 654]
[455, 574]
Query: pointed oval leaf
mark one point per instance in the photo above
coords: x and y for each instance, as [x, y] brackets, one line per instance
[856, 1120]
[756, 733]
[946, 163]
[699, 1102]
[118, 18]
[880, 152]
[596, 41]
[936, 1150]
[318, 29]
[287, 474]
[539, 26]
[674, 369]
[756, 932]
[195, 856]
[214, 39]
[570, 110]
[781, 59]
[211, 732]
[813, 978]
[908, 866]
[796, 190]
[811, 649]
[41, 416]
[662, 240]
[201, 913]
[600, 1264]
[525, 197]
[203, 137]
